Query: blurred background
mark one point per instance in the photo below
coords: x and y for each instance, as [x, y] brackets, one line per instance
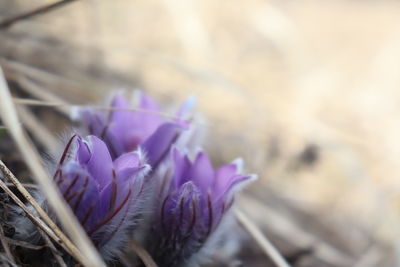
[307, 92]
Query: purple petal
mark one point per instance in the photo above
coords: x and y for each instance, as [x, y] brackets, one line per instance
[131, 128]
[202, 172]
[94, 120]
[232, 185]
[79, 190]
[179, 211]
[223, 175]
[147, 103]
[86, 207]
[121, 123]
[158, 145]
[83, 152]
[100, 163]
[127, 160]
[181, 168]
[119, 199]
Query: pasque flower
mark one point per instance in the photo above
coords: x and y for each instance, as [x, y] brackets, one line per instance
[192, 207]
[124, 129]
[104, 194]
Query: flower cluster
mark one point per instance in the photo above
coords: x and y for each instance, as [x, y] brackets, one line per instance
[103, 193]
[124, 129]
[112, 175]
[192, 206]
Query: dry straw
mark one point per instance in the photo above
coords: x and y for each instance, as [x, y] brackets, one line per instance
[87, 255]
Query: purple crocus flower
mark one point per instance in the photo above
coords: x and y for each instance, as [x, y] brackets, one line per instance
[125, 130]
[192, 207]
[105, 195]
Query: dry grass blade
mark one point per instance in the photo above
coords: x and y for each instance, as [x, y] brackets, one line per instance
[9, 21]
[16, 69]
[24, 185]
[143, 254]
[39, 131]
[5, 244]
[64, 213]
[261, 239]
[41, 93]
[291, 232]
[35, 73]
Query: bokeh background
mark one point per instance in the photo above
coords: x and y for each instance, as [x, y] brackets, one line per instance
[307, 92]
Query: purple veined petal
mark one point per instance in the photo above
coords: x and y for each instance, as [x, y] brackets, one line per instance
[158, 145]
[202, 172]
[118, 199]
[100, 163]
[181, 168]
[85, 208]
[70, 177]
[179, 211]
[79, 190]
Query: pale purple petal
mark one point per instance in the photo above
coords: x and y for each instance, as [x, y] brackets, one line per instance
[100, 163]
[94, 120]
[223, 175]
[83, 152]
[181, 168]
[147, 103]
[202, 172]
[158, 145]
[127, 160]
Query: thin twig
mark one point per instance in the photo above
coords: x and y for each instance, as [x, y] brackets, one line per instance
[40, 10]
[261, 239]
[53, 249]
[5, 244]
[24, 185]
[23, 244]
[143, 254]
[87, 255]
